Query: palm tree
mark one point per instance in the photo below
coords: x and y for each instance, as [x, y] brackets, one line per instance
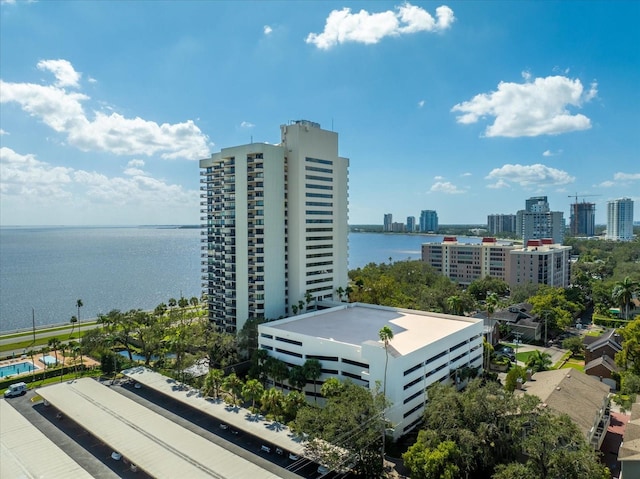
[79, 305]
[348, 291]
[195, 302]
[313, 371]
[340, 291]
[213, 381]
[252, 390]
[278, 371]
[386, 335]
[233, 384]
[539, 361]
[308, 297]
[623, 293]
[454, 303]
[491, 303]
[292, 402]
[73, 321]
[54, 345]
[272, 401]
[297, 377]
[294, 309]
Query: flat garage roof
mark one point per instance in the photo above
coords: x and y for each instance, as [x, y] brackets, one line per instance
[26, 452]
[239, 418]
[357, 323]
[157, 445]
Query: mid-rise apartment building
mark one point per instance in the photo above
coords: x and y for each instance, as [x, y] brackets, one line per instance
[540, 262]
[276, 212]
[537, 221]
[466, 262]
[500, 223]
[426, 348]
[620, 219]
[428, 221]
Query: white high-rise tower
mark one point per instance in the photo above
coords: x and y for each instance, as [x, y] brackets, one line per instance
[275, 231]
[620, 219]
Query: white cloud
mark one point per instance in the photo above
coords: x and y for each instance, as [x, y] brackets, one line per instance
[420, 103]
[438, 178]
[3, 132]
[551, 153]
[445, 187]
[499, 185]
[140, 190]
[466, 174]
[267, 29]
[626, 176]
[342, 26]
[27, 179]
[607, 184]
[25, 176]
[136, 163]
[530, 108]
[246, 124]
[63, 111]
[63, 71]
[527, 175]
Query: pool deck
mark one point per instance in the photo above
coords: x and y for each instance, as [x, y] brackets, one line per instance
[40, 364]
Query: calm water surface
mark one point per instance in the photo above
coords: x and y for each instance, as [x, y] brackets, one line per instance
[48, 269]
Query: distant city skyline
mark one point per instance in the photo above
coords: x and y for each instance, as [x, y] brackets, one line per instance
[104, 126]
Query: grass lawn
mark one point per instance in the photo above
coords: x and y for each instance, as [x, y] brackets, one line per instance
[574, 364]
[524, 356]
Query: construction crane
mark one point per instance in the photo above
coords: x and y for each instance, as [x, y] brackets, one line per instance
[585, 223]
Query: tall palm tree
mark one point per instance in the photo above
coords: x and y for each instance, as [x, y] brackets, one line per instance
[313, 371]
[272, 401]
[79, 305]
[623, 293]
[54, 345]
[386, 335]
[73, 321]
[213, 381]
[340, 291]
[252, 391]
[233, 384]
[491, 303]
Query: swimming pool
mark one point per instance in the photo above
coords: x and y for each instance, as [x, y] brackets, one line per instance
[15, 369]
[48, 360]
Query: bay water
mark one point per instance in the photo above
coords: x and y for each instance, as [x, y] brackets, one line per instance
[45, 270]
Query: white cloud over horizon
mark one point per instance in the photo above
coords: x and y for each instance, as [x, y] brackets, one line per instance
[267, 30]
[532, 108]
[343, 26]
[63, 111]
[528, 175]
[246, 124]
[24, 177]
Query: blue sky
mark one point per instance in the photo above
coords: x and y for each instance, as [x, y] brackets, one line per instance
[467, 108]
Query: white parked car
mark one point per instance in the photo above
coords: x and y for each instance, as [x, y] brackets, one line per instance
[16, 389]
[116, 456]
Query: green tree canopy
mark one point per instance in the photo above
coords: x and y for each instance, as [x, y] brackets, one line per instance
[351, 422]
